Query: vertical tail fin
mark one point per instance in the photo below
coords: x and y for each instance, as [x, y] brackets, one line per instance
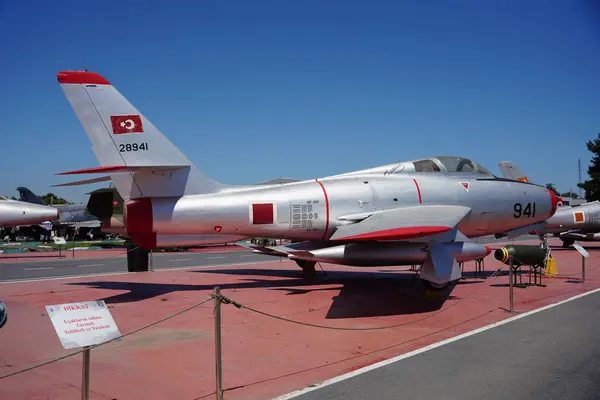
[142, 162]
[511, 171]
[28, 196]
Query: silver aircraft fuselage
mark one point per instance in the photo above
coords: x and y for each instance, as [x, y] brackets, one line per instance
[315, 209]
[19, 213]
[575, 223]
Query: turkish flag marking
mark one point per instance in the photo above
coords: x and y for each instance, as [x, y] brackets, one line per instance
[126, 124]
[262, 213]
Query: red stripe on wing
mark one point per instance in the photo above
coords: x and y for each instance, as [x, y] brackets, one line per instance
[399, 233]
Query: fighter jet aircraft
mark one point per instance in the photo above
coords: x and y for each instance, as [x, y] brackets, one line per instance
[413, 212]
[70, 214]
[19, 213]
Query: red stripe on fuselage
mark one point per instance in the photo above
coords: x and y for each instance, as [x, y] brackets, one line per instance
[138, 217]
[418, 191]
[326, 209]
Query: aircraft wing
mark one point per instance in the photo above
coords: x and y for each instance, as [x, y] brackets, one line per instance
[403, 223]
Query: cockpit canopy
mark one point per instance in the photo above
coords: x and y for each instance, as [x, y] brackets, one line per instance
[441, 164]
[449, 164]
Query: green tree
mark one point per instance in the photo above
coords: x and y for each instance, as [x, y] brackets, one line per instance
[551, 187]
[570, 194]
[51, 198]
[592, 186]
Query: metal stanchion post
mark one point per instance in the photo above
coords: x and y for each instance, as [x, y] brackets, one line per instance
[73, 246]
[582, 268]
[510, 283]
[219, 372]
[85, 382]
[151, 262]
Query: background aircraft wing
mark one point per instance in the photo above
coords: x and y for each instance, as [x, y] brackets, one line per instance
[404, 223]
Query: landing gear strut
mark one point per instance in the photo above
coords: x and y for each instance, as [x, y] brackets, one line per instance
[308, 268]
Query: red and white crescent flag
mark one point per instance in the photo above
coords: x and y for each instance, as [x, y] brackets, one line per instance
[126, 124]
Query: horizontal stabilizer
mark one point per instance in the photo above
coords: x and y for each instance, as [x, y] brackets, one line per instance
[84, 182]
[404, 223]
[123, 168]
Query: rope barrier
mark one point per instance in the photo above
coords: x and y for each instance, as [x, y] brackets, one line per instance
[226, 300]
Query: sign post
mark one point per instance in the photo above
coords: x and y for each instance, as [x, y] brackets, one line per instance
[584, 255]
[84, 325]
[218, 364]
[510, 283]
[59, 241]
[85, 381]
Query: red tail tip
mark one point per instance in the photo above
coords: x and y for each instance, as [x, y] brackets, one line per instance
[81, 77]
[487, 251]
[554, 200]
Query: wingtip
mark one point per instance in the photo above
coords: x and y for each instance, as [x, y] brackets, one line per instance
[81, 77]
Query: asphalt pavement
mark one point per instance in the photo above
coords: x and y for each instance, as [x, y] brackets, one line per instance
[24, 270]
[549, 355]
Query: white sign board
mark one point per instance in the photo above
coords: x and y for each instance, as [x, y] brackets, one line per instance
[59, 240]
[83, 324]
[580, 249]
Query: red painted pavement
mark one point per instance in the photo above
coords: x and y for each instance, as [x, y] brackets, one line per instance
[262, 357]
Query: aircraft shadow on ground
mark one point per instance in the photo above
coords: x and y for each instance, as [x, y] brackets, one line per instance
[362, 294]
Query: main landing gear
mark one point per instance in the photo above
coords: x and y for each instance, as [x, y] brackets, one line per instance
[437, 287]
[567, 242]
[308, 268]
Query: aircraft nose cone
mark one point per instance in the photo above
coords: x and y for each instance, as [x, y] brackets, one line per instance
[554, 200]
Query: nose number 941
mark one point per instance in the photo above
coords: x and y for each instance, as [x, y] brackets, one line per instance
[524, 210]
[123, 148]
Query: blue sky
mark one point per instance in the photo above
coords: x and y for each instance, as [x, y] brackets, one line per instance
[253, 90]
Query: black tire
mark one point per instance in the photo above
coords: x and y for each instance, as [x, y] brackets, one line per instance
[567, 242]
[436, 287]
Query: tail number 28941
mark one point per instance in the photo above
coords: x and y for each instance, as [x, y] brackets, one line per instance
[133, 147]
[526, 210]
